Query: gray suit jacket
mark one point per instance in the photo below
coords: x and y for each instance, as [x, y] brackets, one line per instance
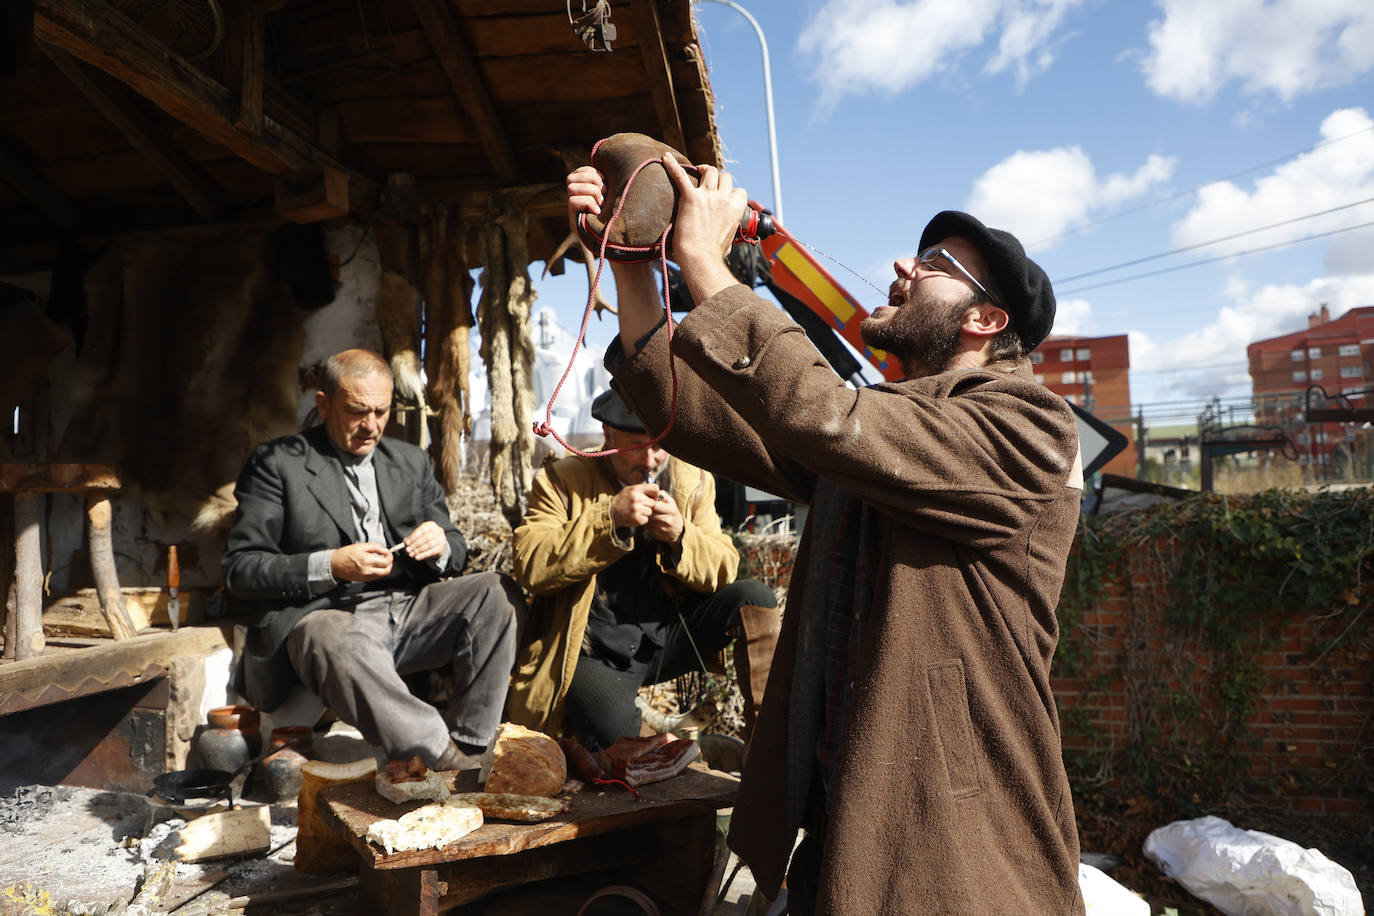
[292, 502]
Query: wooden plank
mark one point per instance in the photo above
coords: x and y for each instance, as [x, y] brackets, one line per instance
[252, 43]
[99, 35]
[544, 124]
[112, 100]
[435, 120]
[450, 47]
[470, 8]
[323, 61]
[420, 79]
[564, 77]
[79, 614]
[52, 678]
[697, 105]
[350, 810]
[450, 160]
[658, 72]
[508, 36]
[56, 477]
[244, 832]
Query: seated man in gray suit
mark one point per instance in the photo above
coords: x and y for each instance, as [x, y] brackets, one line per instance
[344, 545]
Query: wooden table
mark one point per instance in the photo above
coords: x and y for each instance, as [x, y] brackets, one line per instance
[668, 836]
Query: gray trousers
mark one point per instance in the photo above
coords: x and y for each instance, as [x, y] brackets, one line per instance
[354, 660]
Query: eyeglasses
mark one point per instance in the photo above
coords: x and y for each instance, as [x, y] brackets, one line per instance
[927, 259]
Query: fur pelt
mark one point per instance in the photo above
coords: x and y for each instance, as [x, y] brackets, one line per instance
[398, 319]
[504, 318]
[447, 289]
[190, 361]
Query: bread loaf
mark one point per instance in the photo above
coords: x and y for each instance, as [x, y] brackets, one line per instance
[521, 761]
[427, 827]
[318, 849]
[528, 808]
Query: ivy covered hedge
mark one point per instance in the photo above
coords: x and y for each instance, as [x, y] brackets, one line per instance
[1193, 631]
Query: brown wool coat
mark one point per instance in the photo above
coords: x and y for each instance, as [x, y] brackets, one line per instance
[950, 794]
[565, 539]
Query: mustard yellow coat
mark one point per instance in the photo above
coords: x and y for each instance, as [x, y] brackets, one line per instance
[565, 539]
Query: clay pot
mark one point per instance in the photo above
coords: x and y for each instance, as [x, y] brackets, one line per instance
[232, 738]
[290, 749]
[297, 736]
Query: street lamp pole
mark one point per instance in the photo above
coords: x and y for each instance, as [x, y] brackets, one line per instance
[768, 99]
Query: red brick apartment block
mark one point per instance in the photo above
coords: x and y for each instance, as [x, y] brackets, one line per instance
[1337, 355]
[1094, 373]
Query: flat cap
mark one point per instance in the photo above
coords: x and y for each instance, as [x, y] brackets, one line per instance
[611, 410]
[1025, 290]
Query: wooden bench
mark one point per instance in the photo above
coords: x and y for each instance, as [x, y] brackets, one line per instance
[26, 483]
[667, 837]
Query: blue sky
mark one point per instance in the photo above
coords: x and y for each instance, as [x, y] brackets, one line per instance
[1099, 132]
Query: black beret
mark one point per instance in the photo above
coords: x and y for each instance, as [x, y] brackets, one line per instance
[611, 410]
[1025, 290]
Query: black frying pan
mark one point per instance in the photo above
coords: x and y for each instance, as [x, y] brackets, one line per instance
[179, 785]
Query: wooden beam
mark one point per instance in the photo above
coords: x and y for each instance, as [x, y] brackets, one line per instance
[31, 185]
[102, 37]
[252, 32]
[659, 72]
[440, 27]
[112, 100]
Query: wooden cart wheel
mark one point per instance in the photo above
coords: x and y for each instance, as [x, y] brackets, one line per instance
[629, 893]
[191, 28]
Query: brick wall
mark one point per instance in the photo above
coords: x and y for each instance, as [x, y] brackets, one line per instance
[1145, 703]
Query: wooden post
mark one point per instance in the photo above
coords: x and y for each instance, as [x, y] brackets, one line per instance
[28, 577]
[11, 620]
[100, 516]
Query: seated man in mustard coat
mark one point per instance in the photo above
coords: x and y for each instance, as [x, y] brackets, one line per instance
[632, 582]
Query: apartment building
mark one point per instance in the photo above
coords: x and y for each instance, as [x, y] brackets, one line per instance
[1335, 356]
[1094, 373]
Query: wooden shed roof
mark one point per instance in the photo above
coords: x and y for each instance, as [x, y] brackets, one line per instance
[109, 125]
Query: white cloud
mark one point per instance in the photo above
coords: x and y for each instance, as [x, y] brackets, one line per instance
[1073, 318]
[1028, 35]
[888, 46]
[1268, 311]
[1333, 175]
[1041, 194]
[1284, 47]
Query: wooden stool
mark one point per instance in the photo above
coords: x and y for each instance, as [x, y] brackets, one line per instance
[26, 483]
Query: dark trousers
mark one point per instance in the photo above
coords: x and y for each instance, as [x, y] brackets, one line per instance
[600, 708]
[355, 659]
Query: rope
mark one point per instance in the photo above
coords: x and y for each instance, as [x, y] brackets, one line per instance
[661, 247]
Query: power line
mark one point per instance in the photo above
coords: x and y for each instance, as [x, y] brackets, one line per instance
[1164, 200]
[1216, 241]
[1223, 257]
[1206, 368]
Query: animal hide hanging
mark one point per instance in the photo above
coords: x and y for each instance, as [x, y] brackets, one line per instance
[398, 320]
[447, 289]
[503, 316]
[190, 361]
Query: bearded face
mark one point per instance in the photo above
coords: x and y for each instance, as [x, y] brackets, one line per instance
[923, 337]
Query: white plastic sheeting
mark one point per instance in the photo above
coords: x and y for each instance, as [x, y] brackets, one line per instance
[1248, 873]
[1102, 896]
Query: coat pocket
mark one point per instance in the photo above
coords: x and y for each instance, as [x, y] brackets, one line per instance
[954, 728]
